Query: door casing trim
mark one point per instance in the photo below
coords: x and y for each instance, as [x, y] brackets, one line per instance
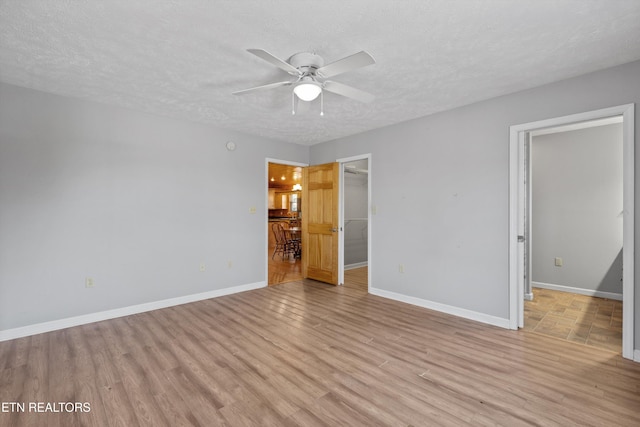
[370, 209]
[516, 147]
[266, 207]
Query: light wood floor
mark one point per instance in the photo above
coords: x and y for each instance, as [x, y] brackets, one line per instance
[357, 278]
[304, 353]
[582, 319]
[282, 270]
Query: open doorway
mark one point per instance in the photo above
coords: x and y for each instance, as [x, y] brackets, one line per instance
[284, 221]
[283, 206]
[520, 226]
[355, 220]
[574, 233]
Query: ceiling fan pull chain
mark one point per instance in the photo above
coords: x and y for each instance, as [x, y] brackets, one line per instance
[322, 103]
[293, 103]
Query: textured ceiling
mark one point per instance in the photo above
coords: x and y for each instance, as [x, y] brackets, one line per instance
[183, 59]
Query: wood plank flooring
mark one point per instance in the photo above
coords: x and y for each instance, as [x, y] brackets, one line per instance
[282, 270]
[357, 278]
[309, 354]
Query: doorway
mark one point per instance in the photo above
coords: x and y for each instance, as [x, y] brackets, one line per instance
[284, 216]
[573, 283]
[359, 215]
[355, 217]
[519, 228]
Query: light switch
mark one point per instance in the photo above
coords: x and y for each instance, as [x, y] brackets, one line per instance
[558, 262]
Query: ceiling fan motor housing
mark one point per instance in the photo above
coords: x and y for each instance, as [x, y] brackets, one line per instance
[306, 62]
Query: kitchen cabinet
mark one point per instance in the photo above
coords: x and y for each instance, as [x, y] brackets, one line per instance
[283, 199]
[272, 198]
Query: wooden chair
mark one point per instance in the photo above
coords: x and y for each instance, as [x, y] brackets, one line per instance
[294, 241]
[294, 223]
[283, 244]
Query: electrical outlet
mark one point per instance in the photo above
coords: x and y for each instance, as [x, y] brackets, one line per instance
[558, 262]
[89, 282]
[400, 268]
[202, 266]
[252, 210]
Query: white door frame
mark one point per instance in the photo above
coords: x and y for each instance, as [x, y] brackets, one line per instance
[266, 207]
[517, 173]
[341, 218]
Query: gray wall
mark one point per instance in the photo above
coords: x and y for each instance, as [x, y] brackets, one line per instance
[577, 208]
[355, 210]
[135, 201]
[441, 190]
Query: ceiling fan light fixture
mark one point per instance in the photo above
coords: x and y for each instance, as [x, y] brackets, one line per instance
[307, 68]
[307, 90]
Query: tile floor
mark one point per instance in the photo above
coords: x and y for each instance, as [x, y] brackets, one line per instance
[579, 318]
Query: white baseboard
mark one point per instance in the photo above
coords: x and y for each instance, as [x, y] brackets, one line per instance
[356, 265]
[528, 297]
[636, 355]
[579, 291]
[448, 309]
[39, 328]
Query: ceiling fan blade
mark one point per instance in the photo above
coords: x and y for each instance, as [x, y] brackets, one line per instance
[348, 91]
[263, 87]
[273, 60]
[357, 60]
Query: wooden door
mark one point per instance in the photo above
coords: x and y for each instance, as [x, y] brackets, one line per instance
[320, 222]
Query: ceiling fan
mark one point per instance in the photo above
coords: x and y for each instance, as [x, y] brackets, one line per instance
[310, 76]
